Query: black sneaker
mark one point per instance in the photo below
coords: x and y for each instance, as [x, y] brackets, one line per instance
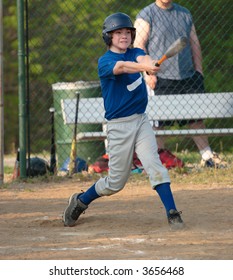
[74, 209]
[174, 219]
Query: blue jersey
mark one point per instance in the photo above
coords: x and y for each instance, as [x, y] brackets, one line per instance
[124, 94]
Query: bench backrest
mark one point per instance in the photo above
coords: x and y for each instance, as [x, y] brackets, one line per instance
[164, 107]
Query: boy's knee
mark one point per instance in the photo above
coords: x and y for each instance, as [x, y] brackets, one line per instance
[106, 188]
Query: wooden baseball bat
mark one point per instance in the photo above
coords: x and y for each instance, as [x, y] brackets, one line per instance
[72, 163]
[16, 171]
[174, 49]
[53, 161]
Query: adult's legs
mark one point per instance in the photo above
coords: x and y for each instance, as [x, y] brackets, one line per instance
[201, 141]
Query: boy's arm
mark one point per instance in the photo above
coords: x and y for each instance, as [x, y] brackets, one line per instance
[144, 64]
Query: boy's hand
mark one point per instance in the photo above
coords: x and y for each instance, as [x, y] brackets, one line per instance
[154, 69]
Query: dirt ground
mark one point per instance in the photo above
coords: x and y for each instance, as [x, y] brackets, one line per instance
[130, 225]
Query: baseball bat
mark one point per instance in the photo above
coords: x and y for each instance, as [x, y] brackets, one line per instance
[174, 49]
[72, 163]
[16, 171]
[53, 161]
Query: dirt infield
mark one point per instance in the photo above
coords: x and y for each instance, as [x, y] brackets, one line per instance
[128, 225]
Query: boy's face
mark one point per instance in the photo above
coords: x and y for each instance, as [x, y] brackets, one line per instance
[121, 40]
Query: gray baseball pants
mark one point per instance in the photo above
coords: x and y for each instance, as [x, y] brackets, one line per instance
[126, 135]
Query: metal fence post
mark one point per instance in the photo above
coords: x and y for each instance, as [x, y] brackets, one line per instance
[22, 88]
[1, 100]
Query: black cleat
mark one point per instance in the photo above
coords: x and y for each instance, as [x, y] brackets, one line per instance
[174, 219]
[74, 209]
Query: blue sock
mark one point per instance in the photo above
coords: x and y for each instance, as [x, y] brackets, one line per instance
[165, 194]
[88, 196]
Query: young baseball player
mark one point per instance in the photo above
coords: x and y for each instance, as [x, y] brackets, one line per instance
[128, 128]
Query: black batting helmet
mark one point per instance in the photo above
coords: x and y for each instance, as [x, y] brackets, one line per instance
[114, 22]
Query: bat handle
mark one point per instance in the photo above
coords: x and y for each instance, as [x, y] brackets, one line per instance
[159, 62]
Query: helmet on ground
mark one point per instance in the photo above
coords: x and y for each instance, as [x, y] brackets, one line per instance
[37, 167]
[114, 22]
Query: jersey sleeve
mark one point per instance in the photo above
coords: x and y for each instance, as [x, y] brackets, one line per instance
[138, 52]
[105, 68]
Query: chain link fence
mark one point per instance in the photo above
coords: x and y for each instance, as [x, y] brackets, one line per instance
[64, 44]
